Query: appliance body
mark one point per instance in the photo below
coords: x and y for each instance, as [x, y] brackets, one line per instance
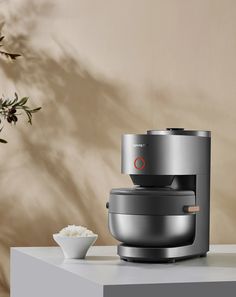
[165, 217]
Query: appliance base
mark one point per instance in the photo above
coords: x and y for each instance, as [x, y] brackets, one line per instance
[156, 254]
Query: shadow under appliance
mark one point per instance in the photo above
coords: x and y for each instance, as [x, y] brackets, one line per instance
[165, 216]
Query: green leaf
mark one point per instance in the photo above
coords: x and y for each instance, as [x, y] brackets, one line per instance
[35, 109]
[29, 116]
[9, 55]
[23, 101]
[3, 140]
[4, 103]
[13, 56]
[13, 101]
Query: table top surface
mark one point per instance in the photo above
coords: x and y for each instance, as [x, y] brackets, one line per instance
[103, 266]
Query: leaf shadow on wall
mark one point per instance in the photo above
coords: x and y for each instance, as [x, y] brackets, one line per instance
[70, 153]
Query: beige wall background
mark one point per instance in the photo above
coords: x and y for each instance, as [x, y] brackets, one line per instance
[101, 69]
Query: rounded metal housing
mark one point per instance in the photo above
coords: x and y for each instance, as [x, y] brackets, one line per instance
[151, 217]
[151, 230]
[167, 152]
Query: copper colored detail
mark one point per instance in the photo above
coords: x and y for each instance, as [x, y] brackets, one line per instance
[192, 208]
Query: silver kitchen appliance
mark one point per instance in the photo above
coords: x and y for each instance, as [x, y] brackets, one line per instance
[165, 216]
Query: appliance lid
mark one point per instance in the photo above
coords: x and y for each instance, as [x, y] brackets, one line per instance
[180, 131]
[141, 201]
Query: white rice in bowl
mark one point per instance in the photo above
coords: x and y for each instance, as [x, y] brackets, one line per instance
[76, 231]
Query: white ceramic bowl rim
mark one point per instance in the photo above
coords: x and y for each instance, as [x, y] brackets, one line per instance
[79, 236]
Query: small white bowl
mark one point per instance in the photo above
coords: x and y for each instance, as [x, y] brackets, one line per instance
[74, 247]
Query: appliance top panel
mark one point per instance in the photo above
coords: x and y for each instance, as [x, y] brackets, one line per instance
[179, 131]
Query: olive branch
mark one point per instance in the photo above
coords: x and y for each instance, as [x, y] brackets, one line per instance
[10, 109]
